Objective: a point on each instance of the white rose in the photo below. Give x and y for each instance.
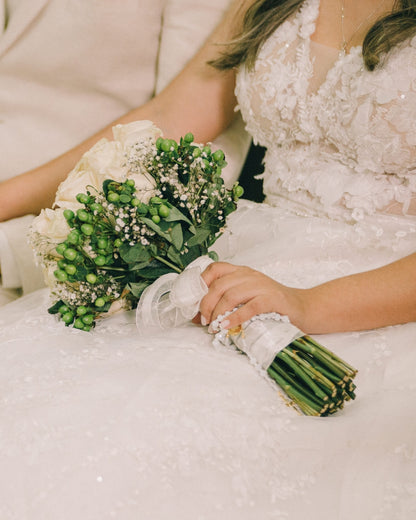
(145, 186)
(105, 160)
(135, 132)
(51, 224)
(48, 275)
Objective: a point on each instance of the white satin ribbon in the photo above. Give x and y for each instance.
(173, 299)
(262, 337)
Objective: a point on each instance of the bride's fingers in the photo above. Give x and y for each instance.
(217, 270)
(226, 290)
(251, 308)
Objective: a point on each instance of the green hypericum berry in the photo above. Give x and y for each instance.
(159, 142)
(87, 229)
(99, 302)
(124, 198)
(88, 319)
(131, 183)
(69, 214)
(67, 318)
(135, 202)
(60, 248)
(61, 264)
(91, 278)
(78, 324)
(155, 200)
(96, 207)
(60, 275)
(71, 269)
(113, 196)
(86, 328)
(207, 149)
(83, 198)
(197, 152)
(82, 215)
(70, 254)
(156, 219)
(189, 138)
(100, 260)
(81, 310)
(102, 243)
(73, 237)
(163, 211)
(218, 156)
(166, 145)
(238, 191)
(63, 309)
(117, 242)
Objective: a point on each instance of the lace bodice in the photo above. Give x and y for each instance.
(340, 139)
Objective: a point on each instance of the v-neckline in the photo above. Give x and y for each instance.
(341, 55)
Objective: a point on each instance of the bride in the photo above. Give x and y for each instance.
(116, 425)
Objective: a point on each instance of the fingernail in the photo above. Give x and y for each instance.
(211, 329)
(203, 321)
(224, 324)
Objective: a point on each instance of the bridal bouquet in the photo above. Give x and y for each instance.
(132, 226)
(132, 210)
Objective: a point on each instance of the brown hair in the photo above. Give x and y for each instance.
(264, 16)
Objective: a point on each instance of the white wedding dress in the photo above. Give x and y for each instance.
(113, 424)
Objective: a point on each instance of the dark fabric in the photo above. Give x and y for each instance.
(253, 188)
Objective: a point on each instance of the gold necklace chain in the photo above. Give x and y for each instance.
(346, 42)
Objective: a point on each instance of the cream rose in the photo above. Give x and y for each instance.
(105, 160)
(51, 224)
(131, 133)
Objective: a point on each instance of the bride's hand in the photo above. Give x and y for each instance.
(232, 286)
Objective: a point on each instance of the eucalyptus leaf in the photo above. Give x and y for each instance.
(134, 254)
(136, 288)
(175, 214)
(200, 236)
(177, 236)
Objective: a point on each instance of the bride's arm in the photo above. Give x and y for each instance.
(199, 100)
(372, 299)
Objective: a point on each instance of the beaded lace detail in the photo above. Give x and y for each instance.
(345, 148)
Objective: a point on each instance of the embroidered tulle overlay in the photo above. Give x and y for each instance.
(340, 139)
(117, 424)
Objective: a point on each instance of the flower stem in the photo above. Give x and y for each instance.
(169, 264)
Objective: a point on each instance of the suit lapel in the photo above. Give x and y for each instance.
(24, 15)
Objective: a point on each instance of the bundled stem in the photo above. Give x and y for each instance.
(316, 380)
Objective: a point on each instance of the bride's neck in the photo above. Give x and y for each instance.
(343, 24)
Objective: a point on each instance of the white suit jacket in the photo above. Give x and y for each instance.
(69, 68)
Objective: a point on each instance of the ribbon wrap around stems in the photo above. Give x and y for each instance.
(173, 299)
(261, 338)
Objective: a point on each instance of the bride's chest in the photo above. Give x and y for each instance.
(305, 92)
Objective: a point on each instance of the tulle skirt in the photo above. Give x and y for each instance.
(114, 424)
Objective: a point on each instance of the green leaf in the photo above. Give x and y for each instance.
(175, 214)
(177, 236)
(213, 255)
(55, 307)
(175, 256)
(134, 254)
(154, 270)
(157, 228)
(106, 184)
(136, 288)
(201, 234)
